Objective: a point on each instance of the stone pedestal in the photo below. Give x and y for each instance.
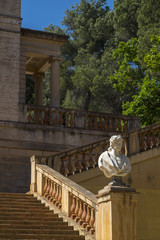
(116, 217)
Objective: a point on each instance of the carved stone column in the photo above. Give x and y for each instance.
(55, 82)
(38, 77)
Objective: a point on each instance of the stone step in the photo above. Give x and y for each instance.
(40, 237)
(38, 231)
(20, 213)
(16, 196)
(33, 203)
(30, 218)
(25, 209)
(32, 222)
(19, 201)
(57, 225)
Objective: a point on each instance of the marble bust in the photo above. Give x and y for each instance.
(113, 163)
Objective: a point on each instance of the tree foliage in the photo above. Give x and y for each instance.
(111, 62)
(144, 89)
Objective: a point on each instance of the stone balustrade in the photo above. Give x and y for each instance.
(97, 216)
(150, 137)
(73, 200)
(85, 157)
(79, 159)
(78, 119)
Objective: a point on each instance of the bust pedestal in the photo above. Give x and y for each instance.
(116, 217)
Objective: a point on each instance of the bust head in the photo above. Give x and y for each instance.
(116, 143)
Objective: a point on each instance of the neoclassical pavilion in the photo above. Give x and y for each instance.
(39, 52)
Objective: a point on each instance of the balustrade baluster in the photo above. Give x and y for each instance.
(85, 160)
(54, 193)
(125, 125)
(86, 121)
(60, 198)
(66, 118)
(88, 218)
(73, 206)
(61, 118)
(90, 121)
(115, 125)
(35, 113)
(50, 117)
(45, 185)
(72, 119)
(78, 164)
(145, 142)
(80, 212)
(40, 116)
(95, 123)
(151, 140)
(110, 124)
(101, 122)
(92, 220)
(64, 169)
(29, 118)
(105, 123)
(84, 214)
(120, 126)
(50, 191)
(77, 210)
(56, 118)
(157, 138)
(46, 116)
(71, 165)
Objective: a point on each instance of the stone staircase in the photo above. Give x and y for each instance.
(24, 217)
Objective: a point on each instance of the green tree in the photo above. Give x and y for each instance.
(125, 19)
(140, 85)
(149, 24)
(90, 25)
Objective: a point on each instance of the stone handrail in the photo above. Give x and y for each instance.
(78, 119)
(82, 158)
(73, 200)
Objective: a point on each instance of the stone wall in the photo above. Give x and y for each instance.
(9, 58)
(19, 141)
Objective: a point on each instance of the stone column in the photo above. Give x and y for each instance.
(55, 82)
(38, 77)
(116, 217)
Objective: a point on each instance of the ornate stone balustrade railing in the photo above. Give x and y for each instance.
(78, 119)
(84, 157)
(150, 137)
(73, 200)
(99, 217)
(78, 159)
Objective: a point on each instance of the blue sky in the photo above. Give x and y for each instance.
(38, 14)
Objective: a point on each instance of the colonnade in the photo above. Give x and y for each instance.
(54, 84)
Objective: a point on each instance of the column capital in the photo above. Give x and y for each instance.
(39, 76)
(55, 59)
